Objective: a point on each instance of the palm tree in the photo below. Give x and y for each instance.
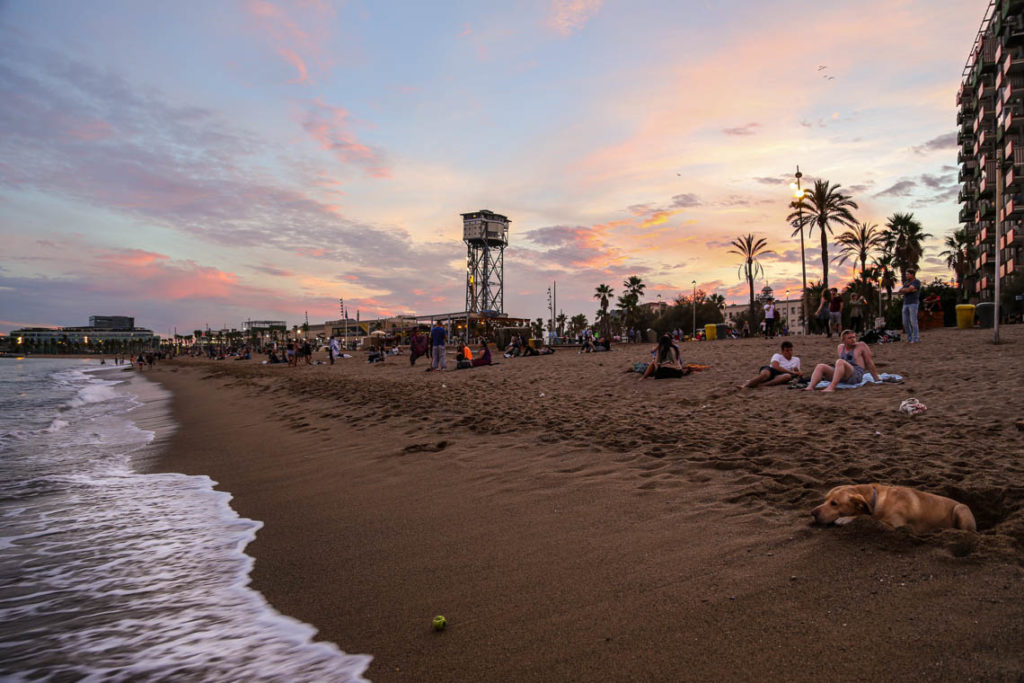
(858, 243)
(903, 237)
(960, 252)
(718, 300)
(634, 285)
(750, 248)
(577, 324)
(560, 324)
(824, 206)
(603, 293)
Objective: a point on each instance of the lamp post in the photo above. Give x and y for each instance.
(693, 305)
(798, 202)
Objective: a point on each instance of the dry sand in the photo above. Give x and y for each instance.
(575, 523)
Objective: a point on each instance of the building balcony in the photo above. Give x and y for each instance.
(1013, 237)
(1008, 178)
(1013, 61)
(1006, 6)
(1007, 268)
(982, 236)
(983, 284)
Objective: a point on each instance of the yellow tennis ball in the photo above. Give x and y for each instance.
(439, 623)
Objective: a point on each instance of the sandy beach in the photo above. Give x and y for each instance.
(575, 523)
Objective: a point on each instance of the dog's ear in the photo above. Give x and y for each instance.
(860, 504)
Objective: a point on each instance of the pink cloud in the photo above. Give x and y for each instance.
(297, 62)
(328, 125)
(292, 42)
(566, 16)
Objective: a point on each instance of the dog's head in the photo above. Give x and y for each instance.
(842, 504)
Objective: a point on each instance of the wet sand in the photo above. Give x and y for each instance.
(575, 523)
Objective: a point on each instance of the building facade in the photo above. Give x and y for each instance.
(787, 312)
(990, 138)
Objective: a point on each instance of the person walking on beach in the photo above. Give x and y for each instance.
(438, 337)
(854, 360)
(911, 291)
(333, 349)
(419, 345)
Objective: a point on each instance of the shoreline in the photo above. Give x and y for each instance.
(564, 537)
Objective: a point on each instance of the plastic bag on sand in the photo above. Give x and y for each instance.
(912, 406)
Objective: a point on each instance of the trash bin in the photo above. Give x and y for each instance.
(965, 316)
(986, 312)
(723, 330)
(710, 332)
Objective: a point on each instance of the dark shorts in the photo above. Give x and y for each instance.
(665, 372)
(773, 372)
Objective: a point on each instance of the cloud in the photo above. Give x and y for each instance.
(901, 189)
(687, 200)
(742, 130)
(567, 16)
(296, 36)
(937, 182)
(774, 180)
(329, 126)
(946, 141)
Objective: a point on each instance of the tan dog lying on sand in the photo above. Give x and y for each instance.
(895, 506)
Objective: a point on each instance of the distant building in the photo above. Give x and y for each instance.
(112, 322)
(81, 339)
(788, 311)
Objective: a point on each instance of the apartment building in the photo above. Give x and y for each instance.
(990, 124)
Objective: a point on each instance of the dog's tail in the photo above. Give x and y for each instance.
(963, 518)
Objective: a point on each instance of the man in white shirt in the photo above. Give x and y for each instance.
(769, 318)
(782, 368)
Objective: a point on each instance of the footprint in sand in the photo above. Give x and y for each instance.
(426, 447)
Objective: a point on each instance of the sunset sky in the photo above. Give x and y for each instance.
(201, 163)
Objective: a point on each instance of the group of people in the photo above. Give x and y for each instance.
(854, 360)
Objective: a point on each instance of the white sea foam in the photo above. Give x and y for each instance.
(121, 576)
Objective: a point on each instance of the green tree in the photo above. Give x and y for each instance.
(718, 300)
(560, 324)
(750, 248)
(903, 240)
(960, 253)
(859, 243)
(821, 208)
(577, 324)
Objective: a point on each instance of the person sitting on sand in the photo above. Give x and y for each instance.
(529, 351)
(667, 361)
(854, 360)
(782, 368)
(483, 357)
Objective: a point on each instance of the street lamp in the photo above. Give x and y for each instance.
(693, 305)
(798, 202)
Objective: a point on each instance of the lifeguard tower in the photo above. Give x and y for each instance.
(486, 236)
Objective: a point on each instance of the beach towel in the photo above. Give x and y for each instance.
(868, 379)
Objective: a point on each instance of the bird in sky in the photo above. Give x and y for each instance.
(822, 66)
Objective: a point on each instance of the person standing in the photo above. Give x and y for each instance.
(857, 312)
(911, 291)
(822, 314)
(333, 349)
(835, 312)
(438, 337)
(769, 318)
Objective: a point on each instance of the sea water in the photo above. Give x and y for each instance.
(108, 574)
